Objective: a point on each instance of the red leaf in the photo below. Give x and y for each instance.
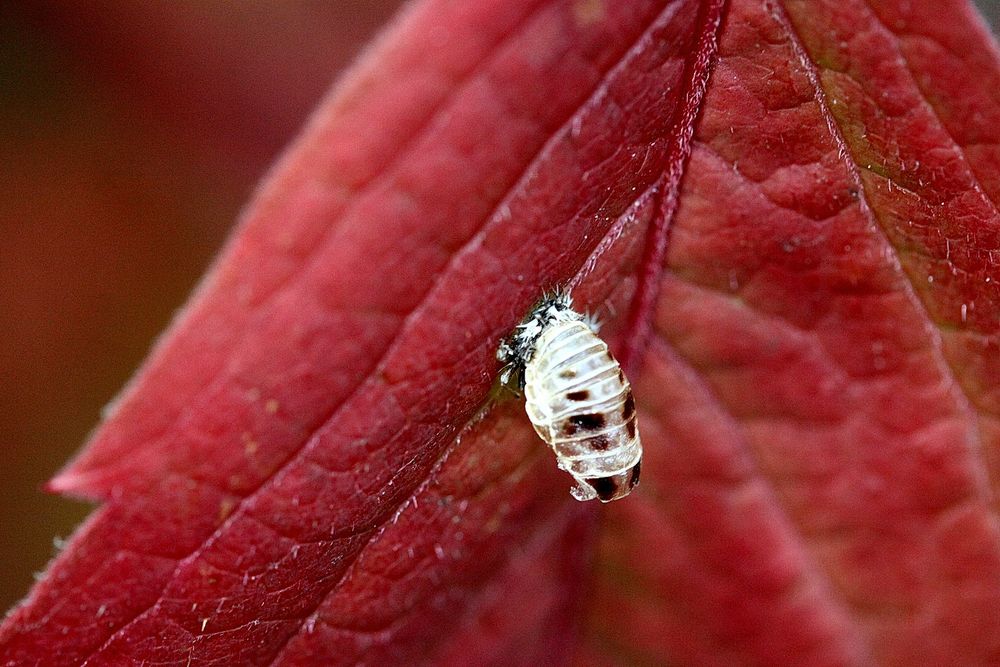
(309, 469)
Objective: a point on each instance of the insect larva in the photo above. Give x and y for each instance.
(577, 398)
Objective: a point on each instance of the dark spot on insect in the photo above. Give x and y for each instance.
(630, 427)
(633, 476)
(621, 376)
(568, 374)
(628, 409)
(853, 193)
(606, 487)
(600, 443)
(588, 422)
(581, 395)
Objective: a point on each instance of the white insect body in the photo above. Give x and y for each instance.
(577, 398)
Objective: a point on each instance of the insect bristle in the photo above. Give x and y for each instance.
(514, 352)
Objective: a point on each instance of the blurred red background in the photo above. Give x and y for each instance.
(133, 132)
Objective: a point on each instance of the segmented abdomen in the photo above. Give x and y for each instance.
(581, 404)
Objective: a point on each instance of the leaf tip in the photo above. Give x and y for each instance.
(70, 483)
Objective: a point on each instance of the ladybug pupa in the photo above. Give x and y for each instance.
(577, 398)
